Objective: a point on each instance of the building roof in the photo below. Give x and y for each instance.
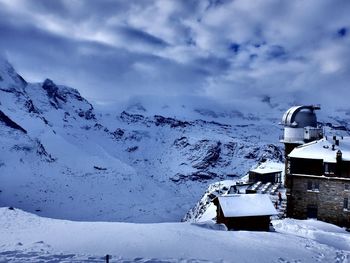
(266, 170)
(242, 205)
(322, 150)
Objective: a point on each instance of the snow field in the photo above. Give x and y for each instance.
(27, 236)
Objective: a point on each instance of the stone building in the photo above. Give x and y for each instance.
(318, 181)
(317, 169)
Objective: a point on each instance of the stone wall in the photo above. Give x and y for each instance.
(329, 198)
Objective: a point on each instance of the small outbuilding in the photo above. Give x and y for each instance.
(265, 175)
(244, 211)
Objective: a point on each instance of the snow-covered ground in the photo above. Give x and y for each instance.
(27, 237)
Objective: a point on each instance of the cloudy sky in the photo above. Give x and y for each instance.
(223, 50)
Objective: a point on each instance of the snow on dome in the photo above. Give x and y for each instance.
(241, 205)
(323, 150)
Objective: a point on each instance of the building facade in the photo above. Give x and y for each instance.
(317, 169)
(273, 176)
(318, 181)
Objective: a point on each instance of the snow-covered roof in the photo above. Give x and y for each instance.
(322, 150)
(266, 170)
(238, 205)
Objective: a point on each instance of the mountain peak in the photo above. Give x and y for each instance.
(48, 82)
(9, 78)
(50, 87)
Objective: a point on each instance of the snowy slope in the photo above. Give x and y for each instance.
(29, 238)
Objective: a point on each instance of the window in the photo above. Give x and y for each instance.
(346, 203)
(309, 185)
(329, 168)
(288, 166)
(346, 187)
(326, 168)
(313, 186)
(316, 186)
(278, 178)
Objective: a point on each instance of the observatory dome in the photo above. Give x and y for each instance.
(300, 126)
(300, 117)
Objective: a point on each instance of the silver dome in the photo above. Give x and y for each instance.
(300, 117)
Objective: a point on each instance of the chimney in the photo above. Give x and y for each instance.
(337, 142)
(338, 166)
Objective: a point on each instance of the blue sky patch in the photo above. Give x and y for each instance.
(342, 32)
(235, 47)
(276, 52)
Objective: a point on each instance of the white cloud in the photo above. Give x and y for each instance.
(222, 49)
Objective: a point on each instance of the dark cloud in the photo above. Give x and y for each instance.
(222, 50)
(132, 34)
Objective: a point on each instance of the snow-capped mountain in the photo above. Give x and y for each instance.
(61, 158)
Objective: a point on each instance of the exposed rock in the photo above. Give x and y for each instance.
(41, 151)
(215, 114)
(10, 123)
(202, 176)
(214, 123)
(252, 154)
(195, 176)
(174, 123)
(30, 107)
(132, 149)
(137, 135)
(181, 142)
(118, 133)
(231, 148)
(131, 118)
(178, 177)
(98, 126)
(88, 115)
(21, 80)
(52, 92)
(272, 152)
(22, 147)
(210, 158)
(100, 168)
